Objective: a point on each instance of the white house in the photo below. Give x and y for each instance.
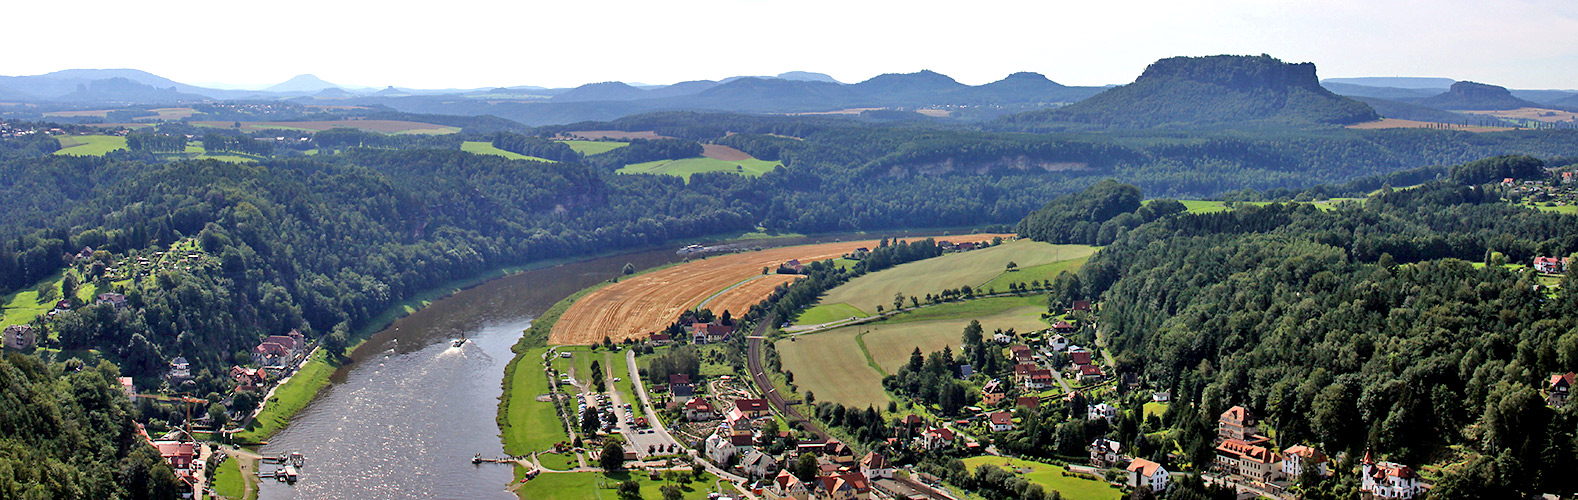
(1001, 421)
(1388, 479)
(757, 464)
(180, 368)
(1146, 472)
(1101, 411)
(1058, 343)
(1105, 452)
(720, 448)
(1002, 338)
(936, 438)
(876, 466)
(1297, 457)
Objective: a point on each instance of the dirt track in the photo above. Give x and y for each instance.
(639, 306)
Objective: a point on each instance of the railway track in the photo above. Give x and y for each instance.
(769, 391)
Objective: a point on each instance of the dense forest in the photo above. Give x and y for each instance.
(66, 432)
(1370, 326)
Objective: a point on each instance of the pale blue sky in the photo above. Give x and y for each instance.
(475, 43)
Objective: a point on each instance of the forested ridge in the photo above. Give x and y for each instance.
(1364, 327)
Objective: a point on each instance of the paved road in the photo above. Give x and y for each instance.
(769, 391)
(658, 429)
(637, 441)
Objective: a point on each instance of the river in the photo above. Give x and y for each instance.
(405, 417)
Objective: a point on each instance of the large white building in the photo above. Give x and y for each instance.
(1148, 473)
(1298, 457)
(1388, 479)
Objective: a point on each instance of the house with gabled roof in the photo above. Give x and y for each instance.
(1388, 479)
(1001, 421)
(993, 393)
(1559, 389)
(699, 409)
(1105, 453)
(1298, 457)
(19, 337)
(1236, 423)
(876, 466)
(1145, 473)
(1256, 463)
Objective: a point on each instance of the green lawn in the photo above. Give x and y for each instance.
(952, 270)
(1043, 272)
(557, 461)
(1051, 478)
(590, 148)
(1204, 206)
(22, 306)
(289, 398)
(827, 313)
(1563, 209)
(486, 148)
(228, 480)
(687, 166)
(1154, 408)
(600, 486)
(89, 145)
(621, 369)
(836, 365)
(531, 425)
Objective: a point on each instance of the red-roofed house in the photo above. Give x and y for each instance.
(993, 393)
(1081, 305)
(785, 486)
(1022, 354)
(1550, 265)
(699, 409)
(1387, 479)
(702, 333)
(1236, 423)
(936, 438)
(876, 466)
(1090, 373)
(754, 408)
(1257, 463)
(1299, 457)
(1064, 327)
(661, 339)
(178, 454)
(1147, 473)
(1561, 386)
(1001, 421)
(1037, 380)
(248, 379)
(1080, 358)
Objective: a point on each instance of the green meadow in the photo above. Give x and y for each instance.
(686, 167)
(89, 145)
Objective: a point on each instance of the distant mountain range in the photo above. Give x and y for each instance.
(1214, 90)
(1181, 91)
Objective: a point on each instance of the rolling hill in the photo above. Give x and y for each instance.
(1214, 90)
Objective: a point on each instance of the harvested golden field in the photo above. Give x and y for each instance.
(1535, 114)
(739, 299)
(636, 307)
(1401, 123)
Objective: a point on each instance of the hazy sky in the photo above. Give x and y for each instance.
(475, 43)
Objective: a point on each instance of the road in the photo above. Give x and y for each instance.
(764, 384)
(658, 428)
(659, 441)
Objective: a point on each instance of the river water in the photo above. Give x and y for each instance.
(404, 419)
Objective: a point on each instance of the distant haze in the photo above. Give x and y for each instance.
(473, 44)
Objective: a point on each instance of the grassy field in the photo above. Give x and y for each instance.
(89, 145)
(891, 342)
(289, 398)
(828, 313)
(229, 482)
(831, 366)
(1561, 209)
(1043, 272)
(533, 425)
(22, 306)
(683, 168)
(846, 365)
(949, 271)
(1209, 206)
(601, 486)
(621, 368)
(590, 148)
(1154, 408)
(558, 461)
(485, 148)
(1051, 478)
